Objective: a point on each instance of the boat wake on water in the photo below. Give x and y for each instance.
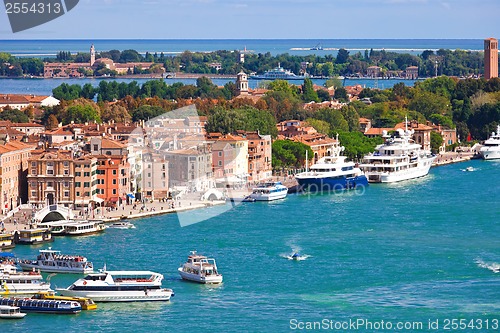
(295, 255)
(494, 267)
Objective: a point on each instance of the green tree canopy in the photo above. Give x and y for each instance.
(290, 154)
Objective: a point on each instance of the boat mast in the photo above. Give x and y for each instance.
(307, 162)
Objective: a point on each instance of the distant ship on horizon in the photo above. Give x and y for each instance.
(279, 73)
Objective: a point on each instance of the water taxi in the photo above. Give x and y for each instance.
(200, 269)
(119, 286)
(55, 262)
(86, 303)
(269, 191)
(6, 242)
(84, 228)
(33, 236)
(11, 312)
(14, 283)
(43, 305)
(121, 225)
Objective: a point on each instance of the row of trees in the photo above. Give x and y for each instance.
(449, 62)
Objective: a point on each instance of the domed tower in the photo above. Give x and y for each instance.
(92, 55)
(242, 83)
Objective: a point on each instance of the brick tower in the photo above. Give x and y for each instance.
(490, 58)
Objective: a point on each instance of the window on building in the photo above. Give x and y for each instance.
(220, 163)
(114, 172)
(86, 174)
(66, 184)
(220, 154)
(86, 184)
(33, 164)
(66, 164)
(66, 172)
(66, 194)
(50, 172)
(50, 184)
(50, 164)
(78, 174)
(33, 171)
(33, 194)
(114, 191)
(96, 147)
(78, 184)
(114, 181)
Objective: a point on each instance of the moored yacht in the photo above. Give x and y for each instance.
(200, 269)
(119, 286)
(399, 158)
(491, 147)
(269, 191)
(332, 173)
(55, 262)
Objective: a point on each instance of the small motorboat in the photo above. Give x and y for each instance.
(11, 312)
(200, 269)
(296, 256)
(121, 225)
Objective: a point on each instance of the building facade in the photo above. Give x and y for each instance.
(14, 158)
(85, 181)
(259, 156)
(51, 178)
(113, 179)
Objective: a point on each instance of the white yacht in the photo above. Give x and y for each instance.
(269, 191)
(121, 225)
(399, 158)
(119, 286)
(331, 173)
(55, 262)
(200, 269)
(13, 283)
(491, 148)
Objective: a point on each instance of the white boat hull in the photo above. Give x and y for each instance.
(113, 296)
(490, 154)
(210, 279)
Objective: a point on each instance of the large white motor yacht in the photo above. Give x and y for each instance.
(491, 148)
(399, 158)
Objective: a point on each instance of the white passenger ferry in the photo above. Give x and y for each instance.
(119, 286)
(200, 269)
(84, 228)
(55, 262)
(13, 283)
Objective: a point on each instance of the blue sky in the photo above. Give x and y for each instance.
(182, 19)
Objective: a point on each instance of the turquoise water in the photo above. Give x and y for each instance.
(412, 251)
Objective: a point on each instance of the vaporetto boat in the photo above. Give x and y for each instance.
(55, 262)
(491, 147)
(119, 286)
(399, 158)
(43, 305)
(332, 173)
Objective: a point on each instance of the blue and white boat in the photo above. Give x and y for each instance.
(43, 305)
(269, 191)
(278, 73)
(332, 173)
